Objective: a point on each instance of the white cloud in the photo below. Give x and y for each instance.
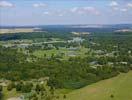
(115, 8)
(36, 5)
(60, 15)
(119, 8)
(123, 9)
(74, 9)
(91, 10)
(55, 13)
(85, 10)
(129, 5)
(5, 4)
(113, 4)
(46, 13)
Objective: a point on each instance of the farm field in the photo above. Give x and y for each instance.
(117, 88)
(4, 31)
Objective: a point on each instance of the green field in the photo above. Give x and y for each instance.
(120, 87)
(66, 52)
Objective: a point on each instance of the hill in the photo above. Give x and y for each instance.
(117, 88)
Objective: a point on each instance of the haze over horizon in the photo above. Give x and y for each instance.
(65, 12)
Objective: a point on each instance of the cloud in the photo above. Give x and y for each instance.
(129, 5)
(123, 9)
(6, 4)
(55, 13)
(115, 8)
(85, 10)
(119, 8)
(46, 13)
(113, 4)
(37, 5)
(60, 13)
(75, 9)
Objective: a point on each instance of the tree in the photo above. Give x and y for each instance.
(10, 86)
(52, 55)
(45, 55)
(52, 90)
(35, 98)
(19, 86)
(38, 88)
(27, 87)
(1, 95)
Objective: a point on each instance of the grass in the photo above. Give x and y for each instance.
(10, 94)
(40, 53)
(117, 88)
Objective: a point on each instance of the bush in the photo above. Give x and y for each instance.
(112, 96)
(64, 96)
(1, 88)
(19, 86)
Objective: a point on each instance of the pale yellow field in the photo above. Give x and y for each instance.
(16, 30)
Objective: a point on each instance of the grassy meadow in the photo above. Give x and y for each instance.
(117, 88)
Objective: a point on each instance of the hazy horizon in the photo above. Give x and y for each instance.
(62, 25)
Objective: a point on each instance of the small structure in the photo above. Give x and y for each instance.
(71, 54)
(24, 45)
(124, 63)
(76, 39)
(73, 48)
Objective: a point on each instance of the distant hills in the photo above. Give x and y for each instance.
(77, 28)
(124, 30)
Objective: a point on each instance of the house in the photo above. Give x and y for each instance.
(100, 52)
(124, 63)
(76, 39)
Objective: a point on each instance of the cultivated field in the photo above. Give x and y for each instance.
(16, 30)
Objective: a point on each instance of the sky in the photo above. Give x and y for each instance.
(64, 12)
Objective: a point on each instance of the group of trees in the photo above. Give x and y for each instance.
(20, 86)
(33, 91)
(34, 35)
